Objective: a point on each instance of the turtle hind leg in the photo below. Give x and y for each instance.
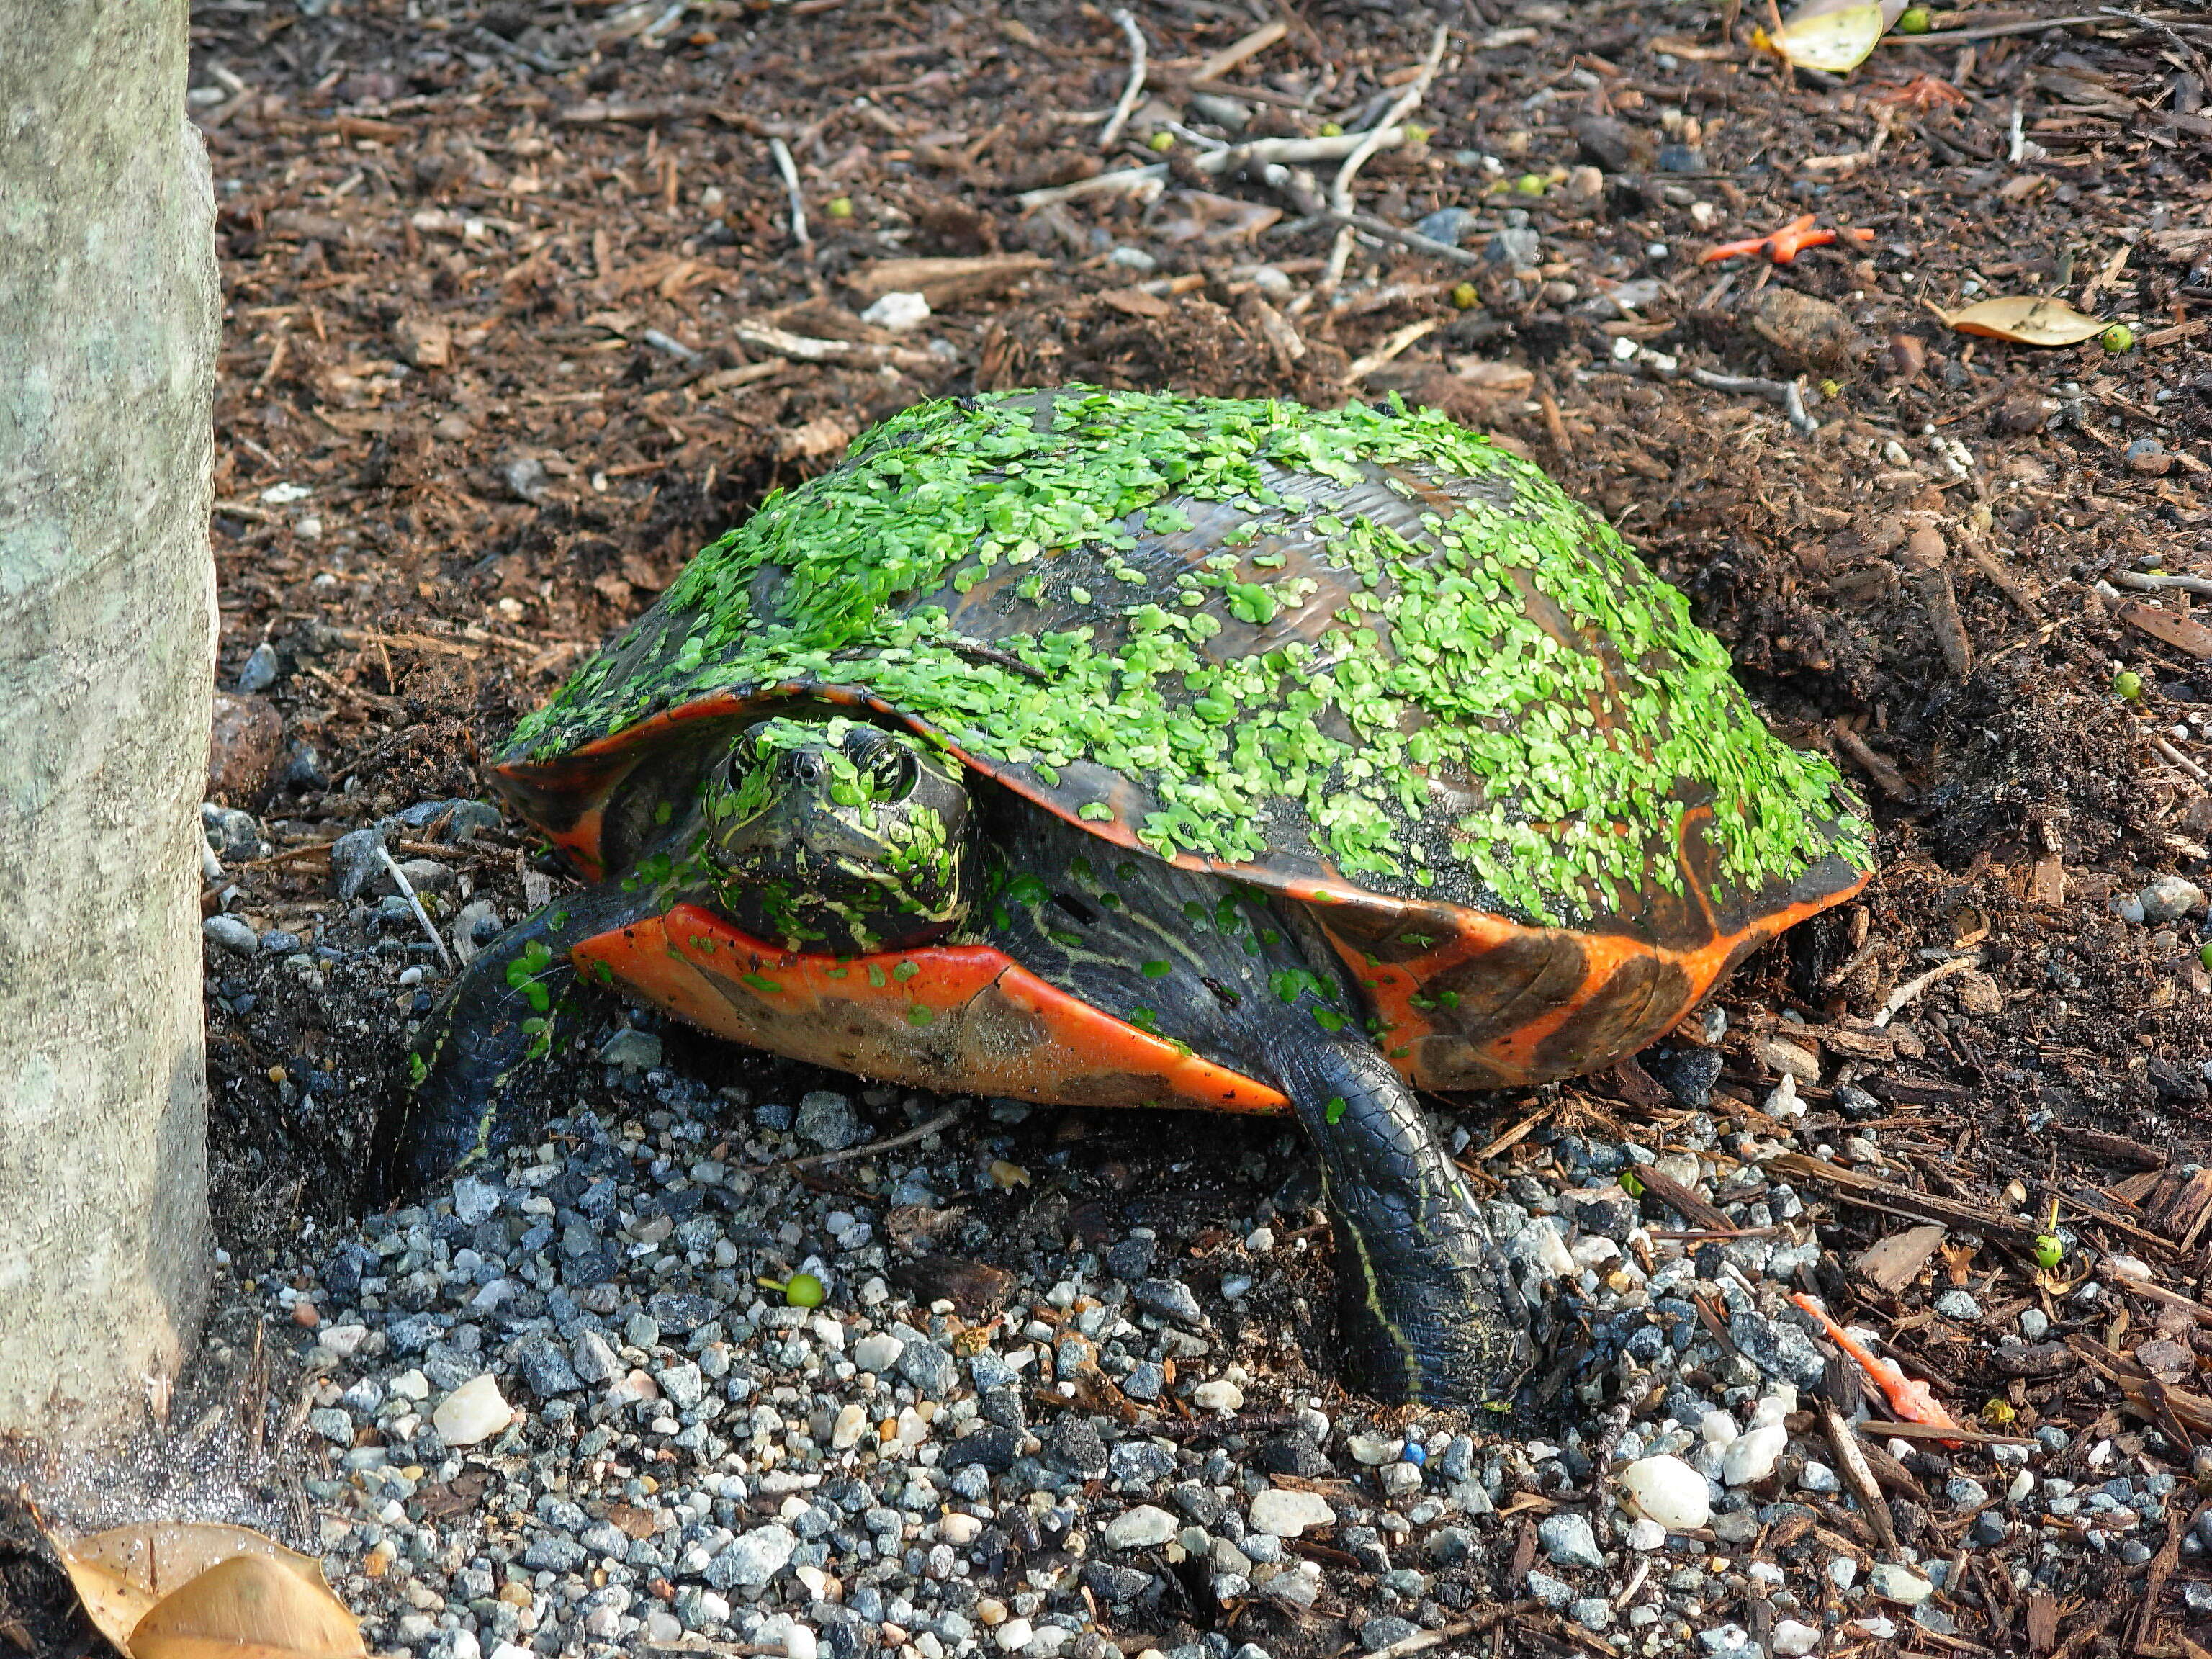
(1426, 1309)
(460, 1096)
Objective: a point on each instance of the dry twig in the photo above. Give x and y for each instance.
(789, 169)
(1788, 393)
(1339, 191)
(407, 891)
(1108, 134)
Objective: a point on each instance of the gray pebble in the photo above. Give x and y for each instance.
(355, 860)
(1169, 1298)
(1385, 1629)
(230, 933)
(1569, 1541)
(827, 1121)
(543, 1369)
(2170, 898)
(261, 670)
(1955, 1303)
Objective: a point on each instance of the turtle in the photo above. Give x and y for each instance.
(1100, 748)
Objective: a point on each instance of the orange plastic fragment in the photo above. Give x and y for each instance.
(1784, 244)
(1911, 1399)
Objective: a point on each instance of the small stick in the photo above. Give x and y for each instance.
(1886, 778)
(850, 1152)
(2009, 584)
(2154, 583)
(789, 169)
(1135, 88)
(407, 893)
(1132, 179)
(1896, 1002)
(1390, 348)
(2181, 760)
(1852, 1458)
(1785, 392)
(1413, 239)
(1339, 191)
(1988, 32)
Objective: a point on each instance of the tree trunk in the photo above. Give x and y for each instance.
(109, 309)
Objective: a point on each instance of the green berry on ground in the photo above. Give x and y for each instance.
(1464, 298)
(840, 207)
(2128, 684)
(804, 1291)
(1161, 142)
(1529, 184)
(1331, 129)
(1917, 20)
(2118, 339)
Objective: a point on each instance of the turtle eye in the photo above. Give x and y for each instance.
(891, 771)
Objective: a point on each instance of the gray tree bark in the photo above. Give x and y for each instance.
(109, 312)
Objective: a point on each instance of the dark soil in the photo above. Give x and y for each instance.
(491, 272)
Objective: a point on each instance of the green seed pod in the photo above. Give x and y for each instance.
(1160, 142)
(2118, 339)
(2049, 1252)
(2128, 684)
(840, 207)
(804, 1291)
(1331, 129)
(1464, 298)
(1917, 20)
(1529, 184)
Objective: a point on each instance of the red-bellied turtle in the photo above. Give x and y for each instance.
(1107, 749)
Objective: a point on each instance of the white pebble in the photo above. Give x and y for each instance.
(897, 310)
(1288, 1514)
(1376, 1449)
(958, 1529)
(1218, 1397)
(1751, 1456)
(1645, 1534)
(473, 1412)
(1141, 1528)
(1012, 1635)
(1670, 1492)
(1792, 1638)
(852, 1423)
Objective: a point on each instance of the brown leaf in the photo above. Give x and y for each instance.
(1893, 1262)
(122, 1575)
(249, 1607)
(2026, 320)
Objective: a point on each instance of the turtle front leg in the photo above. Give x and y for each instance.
(1426, 1311)
(458, 1102)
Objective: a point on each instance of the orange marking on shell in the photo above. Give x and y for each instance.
(993, 1027)
(1512, 1057)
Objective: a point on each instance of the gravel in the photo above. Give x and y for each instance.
(563, 1412)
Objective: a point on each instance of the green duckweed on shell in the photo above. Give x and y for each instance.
(1457, 685)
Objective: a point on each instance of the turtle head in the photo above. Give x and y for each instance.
(832, 834)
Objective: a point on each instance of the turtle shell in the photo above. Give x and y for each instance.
(1363, 657)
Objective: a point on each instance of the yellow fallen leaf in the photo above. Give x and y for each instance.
(1837, 41)
(2024, 319)
(249, 1607)
(1009, 1175)
(122, 1575)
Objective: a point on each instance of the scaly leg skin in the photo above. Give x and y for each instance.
(1426, 1311)
(458, 1104)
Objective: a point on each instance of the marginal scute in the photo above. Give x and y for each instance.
(1245, 636)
